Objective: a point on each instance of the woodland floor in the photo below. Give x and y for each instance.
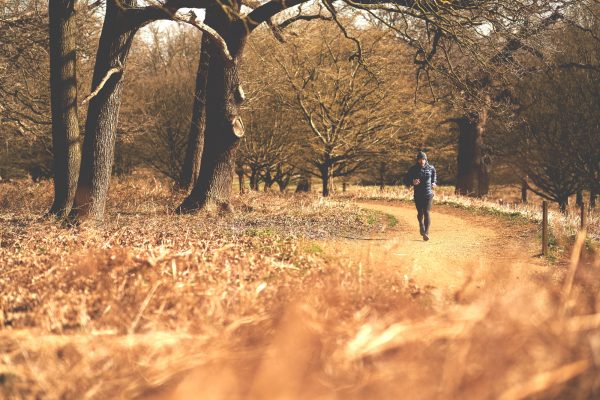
(289, 297)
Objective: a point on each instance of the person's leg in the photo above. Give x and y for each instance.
(420, 216)
(427, 218)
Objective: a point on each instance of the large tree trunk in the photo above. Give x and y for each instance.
(103, 111)
(66, 141)
(224, 126)
(473, 168)
(193, 154)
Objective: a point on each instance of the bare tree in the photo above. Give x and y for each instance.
(550, 146)
(343, 104)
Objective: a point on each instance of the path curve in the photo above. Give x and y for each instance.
(468, 254)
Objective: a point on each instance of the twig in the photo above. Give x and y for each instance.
(143, 307)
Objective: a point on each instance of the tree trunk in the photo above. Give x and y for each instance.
(282, 178)
(563, 204)
(254, 175)
(381, 175)
(473, 168)
(269, 181)
(224, 126)
(304, 185)
(103, 112)
(579, 198)
(193, 154)
(283, 184)
(326, 178)
(66, 141)
(524, 191)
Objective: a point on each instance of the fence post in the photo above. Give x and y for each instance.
(583, 215)
(545, 228)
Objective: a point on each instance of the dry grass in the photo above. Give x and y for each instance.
(244, 306)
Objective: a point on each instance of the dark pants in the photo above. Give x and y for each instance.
(423, 204)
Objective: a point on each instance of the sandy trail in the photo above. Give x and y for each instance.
(467, 255)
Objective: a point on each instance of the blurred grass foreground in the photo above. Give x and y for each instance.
(246, 305)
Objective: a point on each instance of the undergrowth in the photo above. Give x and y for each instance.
(245, 306)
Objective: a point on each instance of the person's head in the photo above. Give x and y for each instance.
(421, 158)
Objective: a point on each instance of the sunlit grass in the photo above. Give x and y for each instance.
(249, 306)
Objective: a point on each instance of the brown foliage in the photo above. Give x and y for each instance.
(154, 305)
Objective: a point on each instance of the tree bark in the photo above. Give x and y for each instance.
(304, 185)
(241, 181)
(524, 191)
(269, 181)
(254, 178)
(563, 203)
(579, 198)
(382, 170)
(193, 154)
(282, 185)
(326, 178)
(103, 111)
(66, 140)
(473, 168)
(224, 126)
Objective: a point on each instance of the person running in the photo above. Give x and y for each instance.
(423, 178)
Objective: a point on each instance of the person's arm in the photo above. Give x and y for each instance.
(433, 177)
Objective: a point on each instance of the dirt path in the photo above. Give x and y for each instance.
(467, 255)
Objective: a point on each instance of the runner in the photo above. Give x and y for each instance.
(422, 177)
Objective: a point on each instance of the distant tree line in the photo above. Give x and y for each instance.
(331, 90)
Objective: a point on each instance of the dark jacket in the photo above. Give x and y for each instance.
(426, 175)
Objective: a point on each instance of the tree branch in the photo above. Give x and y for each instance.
(109, 73)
